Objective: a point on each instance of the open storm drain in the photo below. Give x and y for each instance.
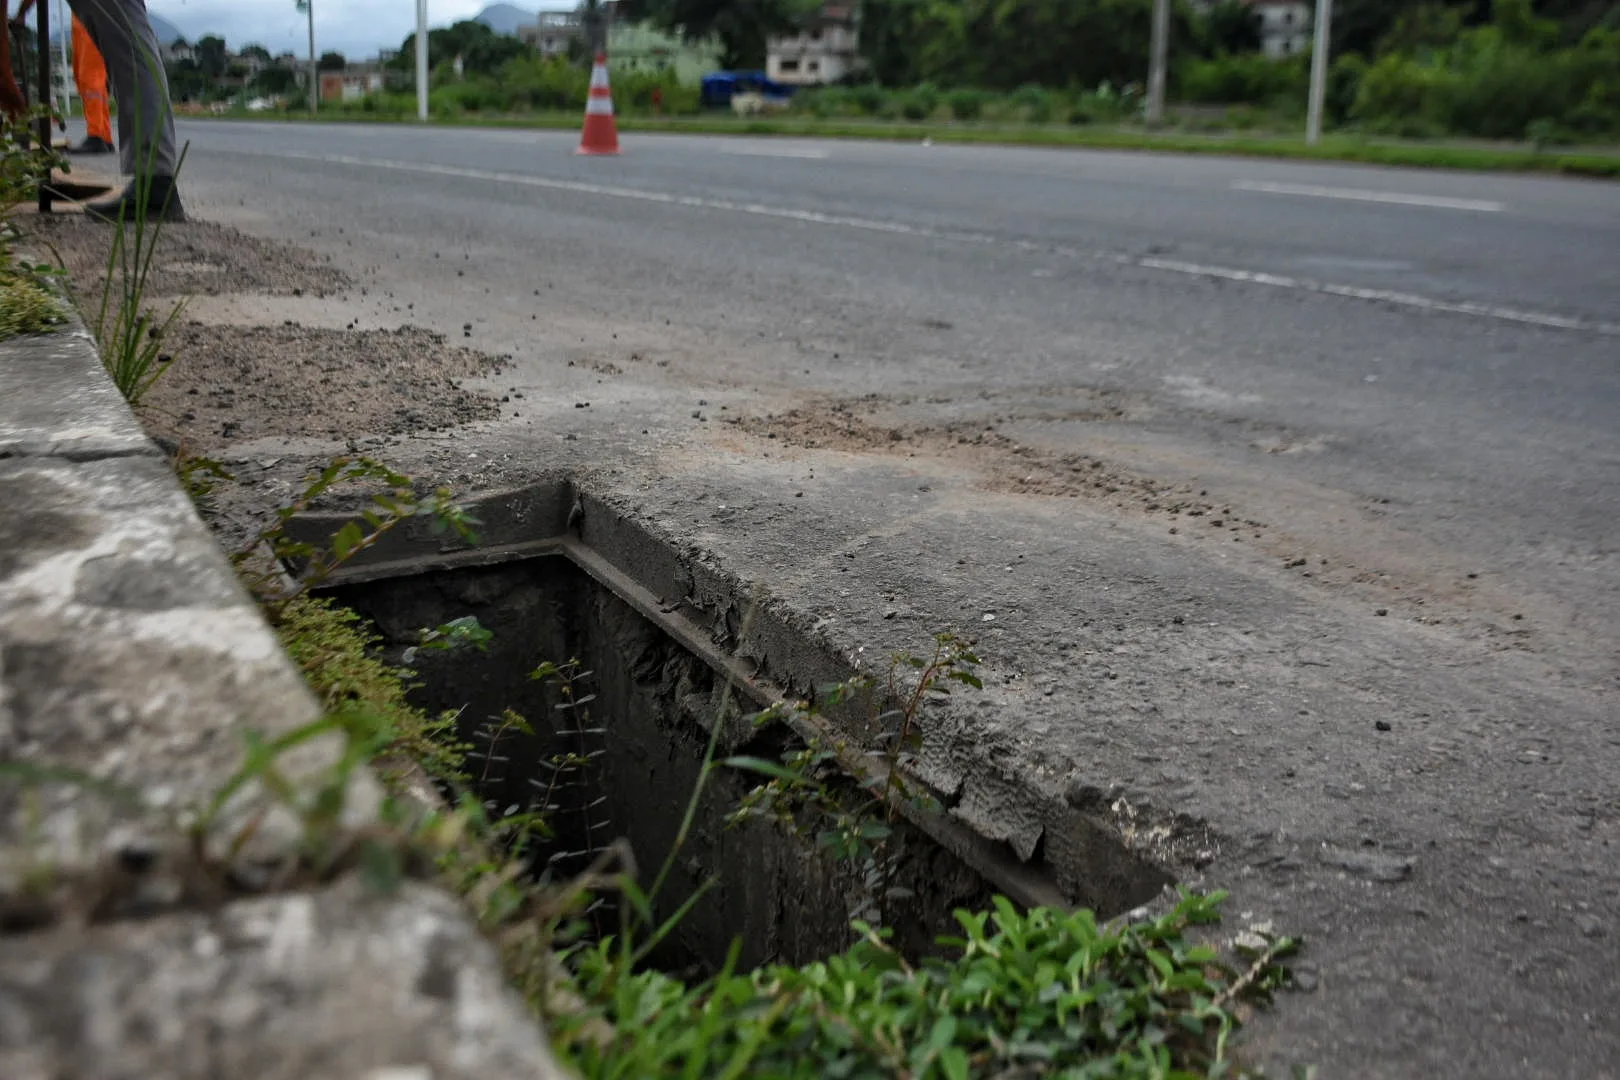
(615, 727)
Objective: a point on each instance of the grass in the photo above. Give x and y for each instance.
(27, 307)
(1336, 147)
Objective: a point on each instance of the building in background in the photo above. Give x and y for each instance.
(552, 32)
(823, 51)
(1285, 26)
(353, 82)
(630, 46)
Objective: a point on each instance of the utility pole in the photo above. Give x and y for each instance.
(1319, 70)
(1156, 64)
(314, 75)
(421, 61)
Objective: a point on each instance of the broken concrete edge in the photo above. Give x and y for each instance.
(1038, 840)
(133, 664)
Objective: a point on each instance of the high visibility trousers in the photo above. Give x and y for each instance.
(90, 73)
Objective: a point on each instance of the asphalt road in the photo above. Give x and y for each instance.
(1405, 385)
(1017, 271)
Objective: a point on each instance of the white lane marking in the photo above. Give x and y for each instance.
(808, 153)
(1384, 296)
(1438, 202)
(897, 228)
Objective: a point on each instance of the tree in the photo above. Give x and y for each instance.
(482, 50)
(1422, 29)
(332, 61)
(275, 81)
(742, 26)
(255, 52)
(211, 56)
(1230, 27)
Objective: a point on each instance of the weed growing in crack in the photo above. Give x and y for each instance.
(132, 337)
(572, 781)
(809, 786)
(386, 510)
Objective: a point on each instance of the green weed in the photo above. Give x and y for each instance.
(131, 337)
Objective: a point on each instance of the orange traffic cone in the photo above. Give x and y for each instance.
(601, 135)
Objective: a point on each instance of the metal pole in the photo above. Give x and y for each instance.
(421, 61)
(1319, 70)
(45, 97)
(314, 75)
(62, 80)
(1156, 64)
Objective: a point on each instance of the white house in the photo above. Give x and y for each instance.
(825, 49)
(1285, 26)
(551, 32)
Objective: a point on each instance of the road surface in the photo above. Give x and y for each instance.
(1283, 496)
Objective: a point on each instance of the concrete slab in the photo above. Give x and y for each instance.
(339, 984)
(130, 656)
(55, 399)
(1172, 703)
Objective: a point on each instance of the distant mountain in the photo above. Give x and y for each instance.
(167, 33)
(504, 18)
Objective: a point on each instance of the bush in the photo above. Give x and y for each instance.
(868, 100)
(1242, 80)
(1344, 82)
(1495, 81)
(966, 104)
(1397, 92)
(921, 103)
(532, 83)
(473, 95)
(1033, 102)
(1500, 97)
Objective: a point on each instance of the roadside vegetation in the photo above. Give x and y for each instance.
(1473, 84)
(29, 303)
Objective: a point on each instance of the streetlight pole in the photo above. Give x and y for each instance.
(1156, 64)
(421, 61)
(1319, 70)
(314, 75)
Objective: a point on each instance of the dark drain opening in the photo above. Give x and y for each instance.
(637, 758)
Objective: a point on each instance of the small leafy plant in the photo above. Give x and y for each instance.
(386, 509)
(810, 783)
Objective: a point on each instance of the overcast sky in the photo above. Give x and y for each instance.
(355, 28)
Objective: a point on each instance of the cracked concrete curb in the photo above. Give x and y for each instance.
(132, 663)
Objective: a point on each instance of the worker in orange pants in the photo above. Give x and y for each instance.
(90, 73)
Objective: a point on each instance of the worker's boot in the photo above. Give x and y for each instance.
(93, 144)
(162, 202)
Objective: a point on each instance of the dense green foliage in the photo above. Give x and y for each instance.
(1038, 993)
(1509, 78)
(994, 44)
(1547, 71)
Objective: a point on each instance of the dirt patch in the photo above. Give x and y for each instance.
(1004, 464)
(233, 383)
(192, 258)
